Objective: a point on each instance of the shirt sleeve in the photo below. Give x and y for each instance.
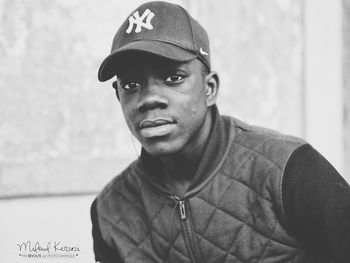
(316, 200)
(103, 252)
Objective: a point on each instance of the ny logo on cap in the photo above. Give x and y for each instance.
(137, 20)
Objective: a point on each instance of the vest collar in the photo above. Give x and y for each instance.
(212, 158)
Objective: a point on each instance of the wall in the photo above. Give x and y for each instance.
(63, 131)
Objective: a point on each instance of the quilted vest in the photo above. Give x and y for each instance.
(234, 215)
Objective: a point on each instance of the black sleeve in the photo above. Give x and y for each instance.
(103, 252)
(317, 205)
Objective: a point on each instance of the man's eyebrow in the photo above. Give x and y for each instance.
(175, 70)
(127, 75)
(174, 67)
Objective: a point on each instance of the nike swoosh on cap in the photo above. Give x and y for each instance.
(203, 52)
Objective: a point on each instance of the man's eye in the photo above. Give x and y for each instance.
(132, 85)
(176, 78)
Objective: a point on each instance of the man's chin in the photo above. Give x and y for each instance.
(162, 149)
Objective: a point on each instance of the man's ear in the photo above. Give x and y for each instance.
(115, 86)
(212, 87)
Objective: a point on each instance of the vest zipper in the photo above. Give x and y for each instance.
(182, 209)
(188, 232)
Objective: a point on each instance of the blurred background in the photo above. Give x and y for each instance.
(283, 64)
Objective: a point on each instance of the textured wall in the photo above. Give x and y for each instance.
(346, 78)
(62, 131)
(257, 50)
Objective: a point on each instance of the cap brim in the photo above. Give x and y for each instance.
(109, 66)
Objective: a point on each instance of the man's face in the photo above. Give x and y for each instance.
(164, 103)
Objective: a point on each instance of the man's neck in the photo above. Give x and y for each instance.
(179, 169)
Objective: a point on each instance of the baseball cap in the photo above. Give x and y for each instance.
(158, 28)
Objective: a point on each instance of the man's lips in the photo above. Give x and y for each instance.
(148, 123)
(156, 127)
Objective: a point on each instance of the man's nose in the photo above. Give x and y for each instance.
(152, 97)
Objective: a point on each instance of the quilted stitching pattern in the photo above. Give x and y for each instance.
(143, 236)
(235, 216)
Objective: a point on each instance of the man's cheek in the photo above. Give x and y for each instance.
(129, 119)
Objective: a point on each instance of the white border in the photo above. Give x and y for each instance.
(323, 78)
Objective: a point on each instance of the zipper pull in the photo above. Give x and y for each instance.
(182, 209)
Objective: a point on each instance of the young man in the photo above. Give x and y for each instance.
(207, 187)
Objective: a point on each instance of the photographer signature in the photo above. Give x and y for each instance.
(48, 247)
